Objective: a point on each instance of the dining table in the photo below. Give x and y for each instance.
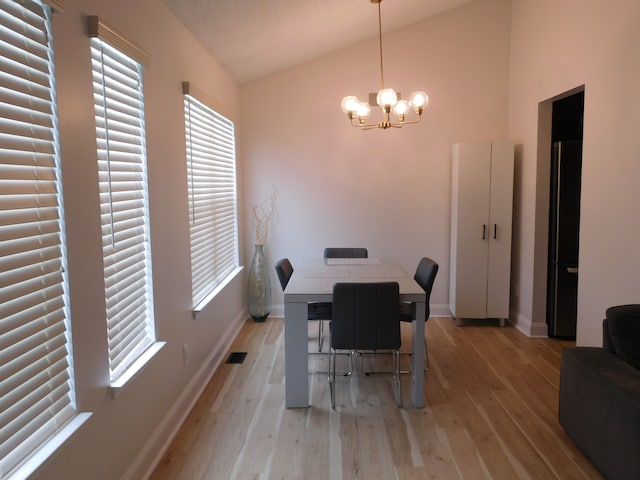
(312, 281)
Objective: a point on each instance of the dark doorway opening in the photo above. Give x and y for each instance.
(564, 215)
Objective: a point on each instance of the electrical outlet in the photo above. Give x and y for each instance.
(185, 353)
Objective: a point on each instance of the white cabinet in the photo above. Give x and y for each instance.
(481, 216)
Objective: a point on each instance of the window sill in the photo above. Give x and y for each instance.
(135, 369)
(221, 286)
(48, 451)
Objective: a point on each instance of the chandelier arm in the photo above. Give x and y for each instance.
(364, 126)
(409, 122)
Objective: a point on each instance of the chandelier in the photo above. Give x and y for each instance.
(387, 99)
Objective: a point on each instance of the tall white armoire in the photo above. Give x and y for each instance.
(481, 217)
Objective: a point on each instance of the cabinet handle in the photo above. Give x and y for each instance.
(495, 231)
(484, 231)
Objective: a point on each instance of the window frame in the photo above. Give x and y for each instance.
(213, 199)
(117, 68)
(36, 357)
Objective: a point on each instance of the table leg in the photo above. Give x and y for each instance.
(417, 369)
(295, 355)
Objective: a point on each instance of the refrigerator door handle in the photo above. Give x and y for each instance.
(572, 269)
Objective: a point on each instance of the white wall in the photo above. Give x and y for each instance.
(555, 47)
(121, 435)
(386, 190)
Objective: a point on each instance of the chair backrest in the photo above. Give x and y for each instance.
(284, 269)
(623, 322)
(425, 276)
(341, 252)
(366, 316)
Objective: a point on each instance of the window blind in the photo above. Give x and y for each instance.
(211, 173)
(117, 88)
(36, 390)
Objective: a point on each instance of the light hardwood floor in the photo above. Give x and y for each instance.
(491, 412)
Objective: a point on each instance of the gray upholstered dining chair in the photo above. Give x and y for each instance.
(342, 252)
(425, 276)
(366, 317)
(319, 311)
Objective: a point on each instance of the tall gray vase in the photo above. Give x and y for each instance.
(259, 288)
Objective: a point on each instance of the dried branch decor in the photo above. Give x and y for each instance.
(262, 215)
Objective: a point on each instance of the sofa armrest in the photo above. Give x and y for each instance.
(600, 409)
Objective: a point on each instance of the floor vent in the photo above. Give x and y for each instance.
(236, 357)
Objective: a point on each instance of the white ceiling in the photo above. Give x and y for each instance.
(252, 38)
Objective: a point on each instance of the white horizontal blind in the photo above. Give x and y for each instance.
(211, 173)
(117, 91)
(36, 390)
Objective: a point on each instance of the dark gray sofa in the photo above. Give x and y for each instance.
(600, 395)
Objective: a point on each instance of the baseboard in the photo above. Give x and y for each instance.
(439, 310)
(539, 330)
(152, 452)
(527, 327)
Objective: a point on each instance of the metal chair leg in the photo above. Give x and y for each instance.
(332, 377)
(426, 356)
(404, 372)
(396, 377)
(320, 334)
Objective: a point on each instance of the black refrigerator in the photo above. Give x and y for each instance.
(564, 235)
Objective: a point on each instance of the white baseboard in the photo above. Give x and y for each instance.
(152, 452)
(527, 327)
(439, 310)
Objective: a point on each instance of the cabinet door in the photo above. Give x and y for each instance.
(472, 162)
(501, 211)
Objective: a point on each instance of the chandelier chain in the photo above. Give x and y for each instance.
(380, 41)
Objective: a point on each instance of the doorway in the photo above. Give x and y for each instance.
(564, 215)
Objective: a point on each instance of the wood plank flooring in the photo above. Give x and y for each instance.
(491, 412)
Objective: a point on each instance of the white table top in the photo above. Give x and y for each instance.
(313, 279)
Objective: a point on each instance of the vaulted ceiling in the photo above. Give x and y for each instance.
(253, 38)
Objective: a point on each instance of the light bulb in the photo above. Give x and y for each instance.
(419, 100)
(387, 97)
(401, 107)
(350, 104)
(363, 109)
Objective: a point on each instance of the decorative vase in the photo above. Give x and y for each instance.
(259, 288)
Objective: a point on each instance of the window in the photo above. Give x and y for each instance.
(36, 389)
(120, 132)
(211, 173)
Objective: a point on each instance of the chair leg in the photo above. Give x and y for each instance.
(346, 374)
(332, 377)
(320, 334)
(426, 356)
(426, 362)
(396, 377)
